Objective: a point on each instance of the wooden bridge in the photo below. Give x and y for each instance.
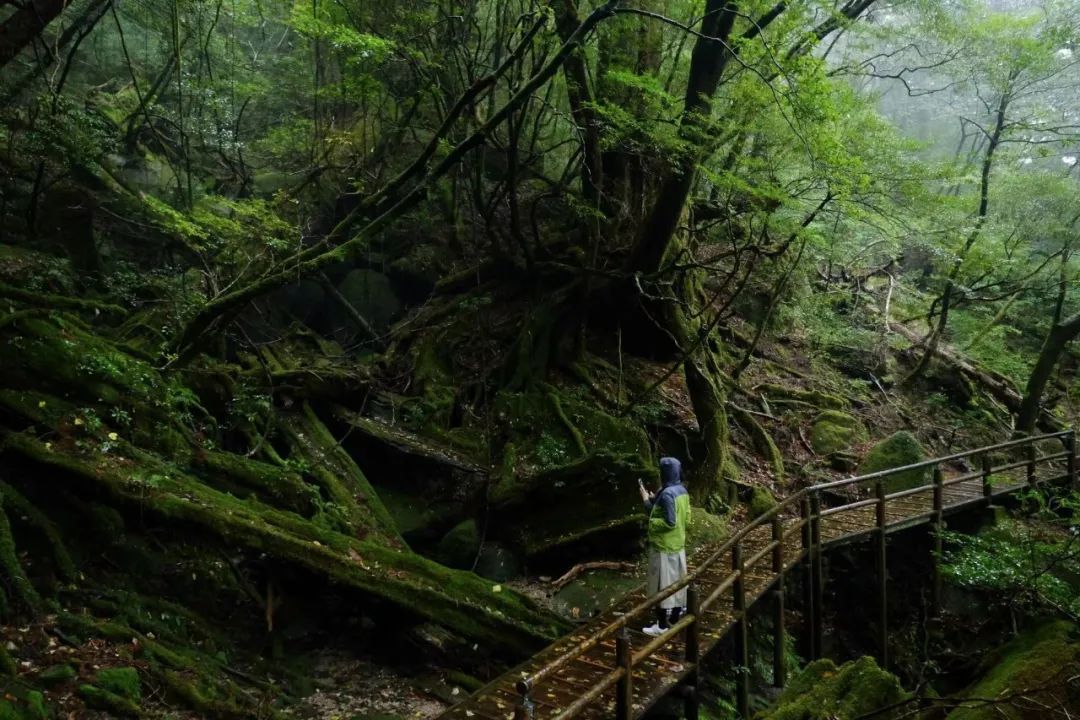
(608, 668)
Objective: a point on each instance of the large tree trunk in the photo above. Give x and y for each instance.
(1059, 337)
(707, 62)
(19, 30)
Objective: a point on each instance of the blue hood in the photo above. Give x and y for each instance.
(670, 471)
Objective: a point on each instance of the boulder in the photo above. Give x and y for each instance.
(834, 432)
(1037, 670)
(458, 548)
(897, 450)
(823, 691)
(498, 562)
(373, 296)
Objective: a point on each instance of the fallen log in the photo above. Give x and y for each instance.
(997, 385)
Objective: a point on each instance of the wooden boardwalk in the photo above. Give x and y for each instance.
(608, 668)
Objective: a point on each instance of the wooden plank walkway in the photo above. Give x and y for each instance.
(608, 668)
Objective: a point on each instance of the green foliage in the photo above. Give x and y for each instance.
(121, 681)
(1031, 564)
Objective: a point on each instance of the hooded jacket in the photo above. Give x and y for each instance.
(669, 511)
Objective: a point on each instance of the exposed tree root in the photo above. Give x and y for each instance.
(763, 442)
(15, 579)
(458, 600)
(14, 500)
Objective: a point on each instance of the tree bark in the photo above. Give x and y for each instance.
(26, 23)
(707, 62)
(1059, 337)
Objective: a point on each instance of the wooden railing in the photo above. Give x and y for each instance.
(790, 535)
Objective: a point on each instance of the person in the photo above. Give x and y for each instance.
(669, 517)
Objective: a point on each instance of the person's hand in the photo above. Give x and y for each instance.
(645, 496)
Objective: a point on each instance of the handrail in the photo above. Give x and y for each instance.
(733, 543)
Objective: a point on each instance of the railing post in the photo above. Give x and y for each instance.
(624, 691)
(808, 579)
(939, 529)
(693, 654)
(742, 633)
(525, 708)
(817, 561)
(987, 470)
(883, 575)
(779, 631)
(1069, 441)
(1032, 458)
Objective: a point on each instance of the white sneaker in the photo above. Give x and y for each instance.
(654, 630)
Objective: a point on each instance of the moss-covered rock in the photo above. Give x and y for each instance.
(898, 450)
(761, 501)
(569, 471)
(372, 295)
(567, 504)
(1028, 676)
(458, 548)
(498, 562)
(834, 431)
(823, 691)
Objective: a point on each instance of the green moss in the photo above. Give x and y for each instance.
(241, 475)
(761, 501)
(12, 568)
(9, 497)
(56, 675)
(9, 711)
(763, 441)
(897, 450)
(1036, 666)
(706, 529)
(551, 428)
(834, 431)
(122, 681)
(457, 600)
(823, 691)
(99, 699)
(35, 706)
(8, 668)
(778, 394)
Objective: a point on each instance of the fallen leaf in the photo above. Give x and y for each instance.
(496, 588)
